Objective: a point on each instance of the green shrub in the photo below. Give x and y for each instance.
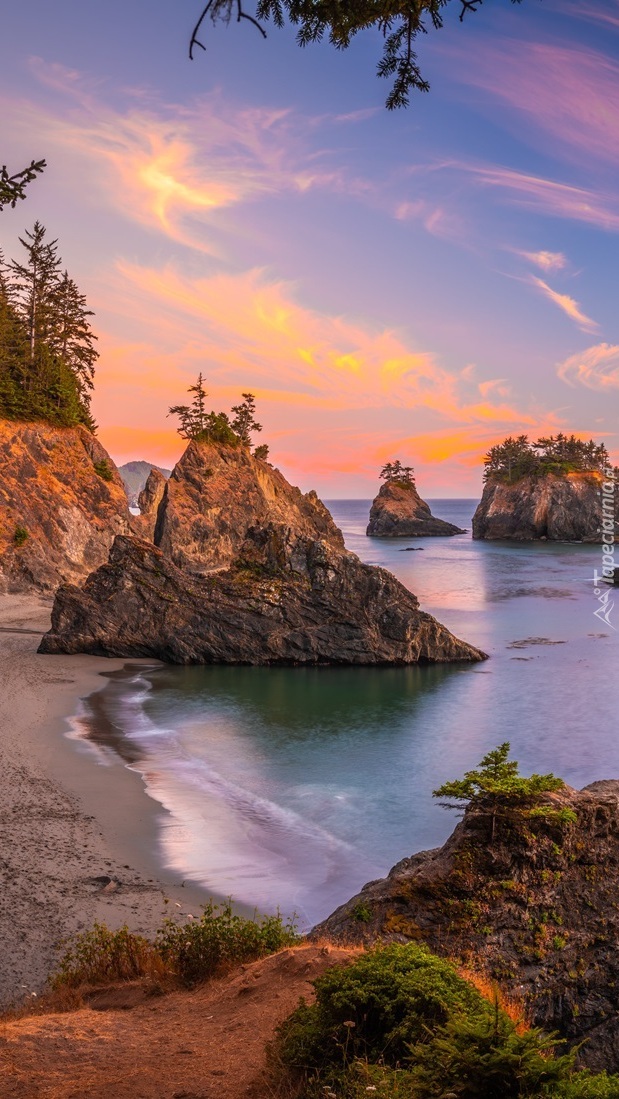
(103, 470)
(218, 941)
(20, 536)
(375, 1009)
(101, 956)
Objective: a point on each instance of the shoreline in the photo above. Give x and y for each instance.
(78, 839)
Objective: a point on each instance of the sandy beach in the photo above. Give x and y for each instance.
(78, 841)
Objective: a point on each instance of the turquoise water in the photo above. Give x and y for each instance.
(292, 787)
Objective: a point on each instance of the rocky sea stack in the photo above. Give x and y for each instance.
(535, 906)
(62, 503)
(245, 570)
(286, 599)
(399, 512)
(560, 508)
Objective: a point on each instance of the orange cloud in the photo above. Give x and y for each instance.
(569, 306)
(596, 368)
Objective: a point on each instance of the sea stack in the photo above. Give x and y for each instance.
(62, 503)
(246, 570)
(399, 512)
(558, 489)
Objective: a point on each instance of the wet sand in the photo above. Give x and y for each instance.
(78, 841)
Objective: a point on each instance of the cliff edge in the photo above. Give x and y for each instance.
(62, 503)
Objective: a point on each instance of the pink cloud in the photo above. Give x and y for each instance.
(596, 368)
(569, 306)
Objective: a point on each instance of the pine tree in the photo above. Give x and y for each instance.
(36, 286)
(73, 338)
(244, 421)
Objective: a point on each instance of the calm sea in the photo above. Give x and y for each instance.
(291, 787)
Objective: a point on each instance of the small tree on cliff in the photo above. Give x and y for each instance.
(197, 423)
(12, 188)
(395, 471)
(244, 421)
(496, 788)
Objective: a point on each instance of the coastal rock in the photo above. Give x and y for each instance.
(149, 500)
(135, 476)
(535, 907)
(286, 599)
(399, 512)
(216, 493)
(564, 508)
(58, 515)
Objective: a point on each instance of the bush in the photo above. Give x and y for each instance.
(103, 470)
(218, 941)
(101, 956)
(20, 536)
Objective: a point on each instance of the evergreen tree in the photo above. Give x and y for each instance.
(395, 471)
(36, 285)
(244, 421)
(12, 188)
(73, 338)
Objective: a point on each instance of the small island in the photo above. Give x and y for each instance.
(399, 512)
(552, 489)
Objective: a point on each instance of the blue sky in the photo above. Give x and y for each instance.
(418, 283)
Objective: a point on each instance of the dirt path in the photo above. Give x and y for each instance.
(205, 1044)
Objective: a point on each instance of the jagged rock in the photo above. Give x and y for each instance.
(286, 599)
(135, 476)
(399, 512)
(58, 516)
(558, 508)
(149, 500)
(534, 907)
(217, 493)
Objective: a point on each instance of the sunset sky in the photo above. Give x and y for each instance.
(414, 284)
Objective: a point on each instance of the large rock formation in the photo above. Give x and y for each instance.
(148, 502)
(217, 493)
(399, 512)
(565, 508)
(62, 503)
(286, 599)
(135, 476)
(535, 906)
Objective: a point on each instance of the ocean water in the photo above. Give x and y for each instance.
(290, 787)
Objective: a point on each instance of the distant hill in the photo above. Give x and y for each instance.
(134, 476)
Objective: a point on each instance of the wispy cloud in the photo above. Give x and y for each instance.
(569, 305)
(549, 196)
(596, 368)
(547, 261)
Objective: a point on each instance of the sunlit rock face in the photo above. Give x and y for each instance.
(399, 512)
(62, 503)
(148, 502)
(564, 508)
(285, 599)
(217, 493)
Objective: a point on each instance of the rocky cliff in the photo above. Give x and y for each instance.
(535, 907)
(217, 493)
(286, 599)
(62, 503)
(148, 502)
(564, 508)
(135, 476)
(399, 512)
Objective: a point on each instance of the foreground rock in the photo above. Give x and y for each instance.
(217, 493)
(62, 503)
(537, 910)
(285, 600)
(399, 512)
(564, 508)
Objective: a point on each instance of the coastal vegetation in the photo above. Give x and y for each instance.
(47, 346)
(13, 187)
(185, 954)
(196, 423)
(515, 458)
(401, 1022)
(395, 471)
